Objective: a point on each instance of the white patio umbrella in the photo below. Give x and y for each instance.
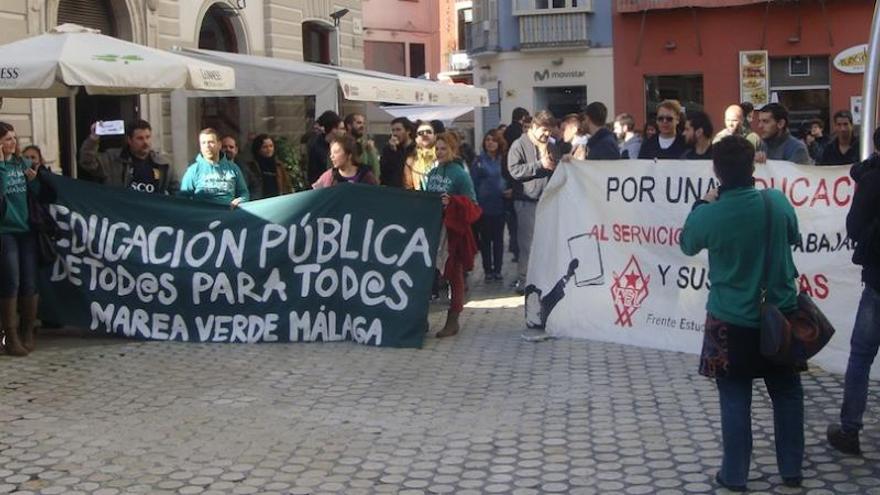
(69, 57)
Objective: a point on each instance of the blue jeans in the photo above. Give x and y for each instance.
(863, 349)
(787, 396)
(18, 265)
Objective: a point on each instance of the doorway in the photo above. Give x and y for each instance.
(561, 100)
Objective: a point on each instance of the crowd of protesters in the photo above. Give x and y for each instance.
(499, 185)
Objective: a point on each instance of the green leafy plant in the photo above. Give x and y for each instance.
(289, 155)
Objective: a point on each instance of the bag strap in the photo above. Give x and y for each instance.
(767, 219)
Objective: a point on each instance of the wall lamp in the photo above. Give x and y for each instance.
(240, 4)
(337, 16)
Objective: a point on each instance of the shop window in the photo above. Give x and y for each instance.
(799, 71)
(417, 67)
(385, 56)
(687, 89)
(316, 42)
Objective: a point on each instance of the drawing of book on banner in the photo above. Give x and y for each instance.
(586, 249)
(585, 267)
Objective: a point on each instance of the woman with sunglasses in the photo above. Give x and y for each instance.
(668, 143)
(18, 249)
(451, 178)
(423, 158)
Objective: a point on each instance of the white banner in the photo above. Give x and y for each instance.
(606, 263)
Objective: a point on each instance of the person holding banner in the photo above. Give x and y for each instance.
(212, 177)
(727, 223)
(18, 250)
(667, 143)
(456, 255)
(346, 165)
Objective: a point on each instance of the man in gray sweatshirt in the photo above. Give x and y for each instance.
(776, 142)
(531, 161)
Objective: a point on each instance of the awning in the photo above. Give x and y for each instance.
(264, 76)
(626, 6)
(420, 112)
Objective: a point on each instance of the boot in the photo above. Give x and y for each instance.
(27, 307)
(9, 322)
(451, 327)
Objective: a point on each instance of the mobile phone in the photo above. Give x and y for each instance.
(110, 128)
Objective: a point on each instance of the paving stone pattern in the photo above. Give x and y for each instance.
(480, 413)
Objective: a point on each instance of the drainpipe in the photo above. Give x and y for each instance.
(869, 90)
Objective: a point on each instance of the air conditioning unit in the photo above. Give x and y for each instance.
(460, 61)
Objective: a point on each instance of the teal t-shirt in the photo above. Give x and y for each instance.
(733, 231)
(450, 178)
(15, 186)
(218, 183)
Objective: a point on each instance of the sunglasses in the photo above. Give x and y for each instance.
(425, 132)
(665, 118)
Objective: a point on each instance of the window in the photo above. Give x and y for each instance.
(687, 89)
(417, 67)
(539, 5)
(465, 21)
(385, 56)
(316, 43)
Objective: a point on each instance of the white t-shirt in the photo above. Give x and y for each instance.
(665, 143)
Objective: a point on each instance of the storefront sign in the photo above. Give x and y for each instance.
(547, 75)
(606, 262)
(852, 60)
(754, 80)
(350, 262)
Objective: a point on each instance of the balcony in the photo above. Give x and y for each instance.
(484, 39)
(553, 30)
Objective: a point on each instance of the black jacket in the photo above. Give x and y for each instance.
(392, 163)
(831, 154)
(651, 149)
(603, 146)
(512, 133)
(319, 157)
(863, 220)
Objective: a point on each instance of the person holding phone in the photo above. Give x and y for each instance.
(18, 250)
(136, 167)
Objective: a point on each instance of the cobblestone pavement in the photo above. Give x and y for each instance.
(483, 412)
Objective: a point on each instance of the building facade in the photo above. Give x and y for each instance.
(292, 29)
(713, 53)
(402, 36)
(541, 54)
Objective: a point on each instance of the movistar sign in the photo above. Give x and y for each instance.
(547, 74)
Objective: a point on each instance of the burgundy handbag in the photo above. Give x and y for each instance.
(796, 337)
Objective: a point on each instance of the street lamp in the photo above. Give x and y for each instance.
(337, 17)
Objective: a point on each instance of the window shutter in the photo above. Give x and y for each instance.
(95, 14)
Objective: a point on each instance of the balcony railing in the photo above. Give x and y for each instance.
(482, 40)
(554, 30)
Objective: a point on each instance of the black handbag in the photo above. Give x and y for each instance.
(794, 338)
(43, 226)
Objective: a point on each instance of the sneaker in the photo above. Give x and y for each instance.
(497, 276)
(846, 442)
(793, 481)
(536, 335)
(733, 488)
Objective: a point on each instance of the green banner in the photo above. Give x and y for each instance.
(351, 262)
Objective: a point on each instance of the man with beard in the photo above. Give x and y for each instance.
(329, 125)
(776, 142)
(399, 147)
(844, 148)
(697, 134)
(625, 130)
(531, 161)
(136, 167)
(356, 126)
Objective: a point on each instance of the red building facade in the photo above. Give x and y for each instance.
(702, 52)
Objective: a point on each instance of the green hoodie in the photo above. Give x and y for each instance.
(218, 183)
(15, 185)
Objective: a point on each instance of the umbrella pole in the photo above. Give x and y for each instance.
(71, 114)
